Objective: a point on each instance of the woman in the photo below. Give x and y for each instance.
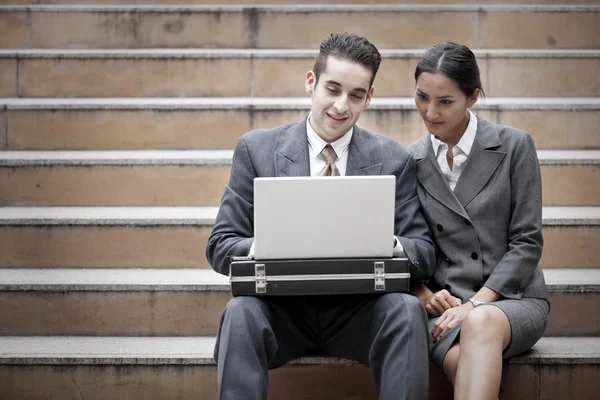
(480, 189)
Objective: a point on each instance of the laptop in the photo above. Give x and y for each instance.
(324, 217)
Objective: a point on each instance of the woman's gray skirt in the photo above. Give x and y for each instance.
(528, 318)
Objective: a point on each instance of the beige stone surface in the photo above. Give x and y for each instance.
(564, 322)
(132, 382)
(571, 247)
(8, 77)
(123, 129)
(571, 185)
(405, 127)
(322, 382)
(13, 29)
(396, 78)
(163, 313)
(89, 247)
(286, 77)
(274, 77)
(559, 130)
(139, 29)
(544, 77)
(566, 382)
(134, 78)
(296, 1)
(172, 185)
(522, 383)
(539, 30)
(219, 129)
(271, 119)
(3, 137)
(384, 29)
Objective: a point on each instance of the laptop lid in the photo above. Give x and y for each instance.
(324, 217)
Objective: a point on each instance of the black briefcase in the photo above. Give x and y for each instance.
(318, 276)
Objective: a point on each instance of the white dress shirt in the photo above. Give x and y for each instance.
(460, 152)
(315, 146)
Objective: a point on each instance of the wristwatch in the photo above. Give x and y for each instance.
(475, 302)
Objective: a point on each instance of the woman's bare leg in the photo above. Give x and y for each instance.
(485, 333)
(451, 362)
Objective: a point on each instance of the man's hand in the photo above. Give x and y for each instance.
(440, 301)
(449, 319)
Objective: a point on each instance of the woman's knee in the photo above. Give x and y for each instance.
(487, 322)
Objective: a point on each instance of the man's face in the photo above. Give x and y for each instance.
(342, 93)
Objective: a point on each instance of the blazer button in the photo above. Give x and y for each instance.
(467, 222)
(439, 227)
(474, 256)
(448, 260)
(515, 291)
(447, 287)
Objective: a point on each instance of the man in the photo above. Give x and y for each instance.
(386, 332)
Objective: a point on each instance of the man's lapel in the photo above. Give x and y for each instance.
(483, 160)
(291, 152)
(431, 178)
(359, 158)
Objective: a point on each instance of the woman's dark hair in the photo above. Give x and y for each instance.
(349, 47)
(455, 61)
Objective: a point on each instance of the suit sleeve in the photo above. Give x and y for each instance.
(410, 225)
(525, 239)
(233, 231)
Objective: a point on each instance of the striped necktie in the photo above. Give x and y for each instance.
(330, 169)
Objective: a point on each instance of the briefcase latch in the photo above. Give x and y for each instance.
(260, 278)
(379, 275)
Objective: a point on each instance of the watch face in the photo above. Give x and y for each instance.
(475, 302)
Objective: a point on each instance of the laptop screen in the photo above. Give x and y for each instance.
(324, 217)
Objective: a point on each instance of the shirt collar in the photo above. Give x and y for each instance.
(318, 144)
(466, 141)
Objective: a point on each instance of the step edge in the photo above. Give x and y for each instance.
(541, 354)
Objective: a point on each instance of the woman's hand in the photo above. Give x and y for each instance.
(439, 302)
(449, 319)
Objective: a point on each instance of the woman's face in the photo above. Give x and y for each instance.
(443, 107)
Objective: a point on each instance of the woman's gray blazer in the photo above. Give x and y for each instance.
(488, 231)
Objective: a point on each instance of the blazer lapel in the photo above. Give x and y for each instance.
(481, 163)
(291, 152)
(431, 178)
(359, 160)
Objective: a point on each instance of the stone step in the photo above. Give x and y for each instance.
(176, 237)
(175, 123)
(258, 2)
(97, 368)
(198, 177)
(189, 302)
(274, 72)
(91, 237)
(275, 26)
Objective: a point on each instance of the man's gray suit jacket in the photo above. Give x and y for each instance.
(283, 151)
(489, 230)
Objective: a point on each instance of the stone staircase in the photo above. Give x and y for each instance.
(117, 124)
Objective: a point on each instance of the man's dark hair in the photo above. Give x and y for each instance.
(455, 61)
(349, 47)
